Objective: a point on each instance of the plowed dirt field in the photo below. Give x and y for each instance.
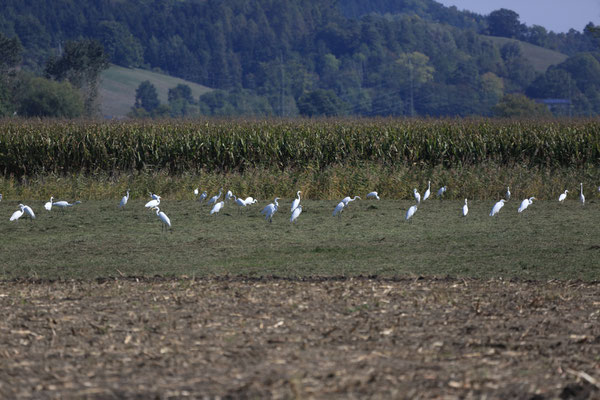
(311, 338)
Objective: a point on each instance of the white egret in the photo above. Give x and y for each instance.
(497, 207)
(296, 213)
(465, 209)
(428, 191)
(214, 199)
(240, 203)
(17, 214)
(228, 195)
(203, 196)
(64, 204)
(411, 211)
(166, 222)
(217, 207)
(441, 191)
(563, 196)
(270, 209)
(196, 192)
(525, 203)
(29, 211)
(372, 195)
(581, 196)
(250, 201)
(153, 203)
(339, 208)
(124, 200)
(417, 196)
(348, 199)
(296, 202)
(507, 193)
(48, 205)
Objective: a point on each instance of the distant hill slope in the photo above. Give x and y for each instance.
(539, 57)
(118, 85)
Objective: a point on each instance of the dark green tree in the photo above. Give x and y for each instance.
(146, 97)
(121, 46)
(10, 57)
(81, 65)
(518, 105)
(321, 103)
(41, 97)
(504, 23)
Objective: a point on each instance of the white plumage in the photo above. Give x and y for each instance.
(563, 196)
(411, 211)
(417, 196)
(217, 207)
(525, 203)
(497, 207)
(428, 191)
(373, 195)
(296, 213)
(296, 201)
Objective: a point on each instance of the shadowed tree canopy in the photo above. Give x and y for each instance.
(146, 97)
(504, 23)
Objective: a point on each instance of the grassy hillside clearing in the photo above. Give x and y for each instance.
(118, 85)
(539, 57)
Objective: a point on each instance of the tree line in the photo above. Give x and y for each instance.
(291, 57)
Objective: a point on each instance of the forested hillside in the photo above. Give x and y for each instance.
(347, 57)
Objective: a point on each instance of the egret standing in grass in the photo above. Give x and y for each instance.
(581, 196)
(241, 203)
(124, 200)
(196, 191)
(525, 203)
(270, 210)
(203, 196)
(214, 199)
(338, 209)
(28, 211)
(296, 213)
(563, 196)
(296, 201)
(166, 222)
(497, 207)
(465, 209)
(17, 214)
(228, 195)
(428, 191)
(217, 207)
(64, 204)
(507, 193)
(417, 196)
(372, 195)
(441, 191)
(411, 211)
(48, 205)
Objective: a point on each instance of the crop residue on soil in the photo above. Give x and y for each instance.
(275, 338)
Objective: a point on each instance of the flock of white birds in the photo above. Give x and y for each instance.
(270, 210)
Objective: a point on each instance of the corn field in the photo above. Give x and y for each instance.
(30, 147)
(326, 159)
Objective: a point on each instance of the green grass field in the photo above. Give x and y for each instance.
(118, 85)
(539, 57)
(96, 239)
